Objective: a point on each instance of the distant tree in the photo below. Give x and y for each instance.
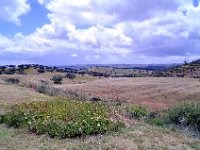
(9, 71)
(21, 67)
(12, 66)
(70, 76)
(41, 67)
(82, 73)
(57, 79)
(185, 62)
(2, 68)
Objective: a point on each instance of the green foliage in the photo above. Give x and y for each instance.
(12, 80)
(57, 79)
(135, 111)
(66, 118)
(1, 118)
(186, 114)
(156, 121)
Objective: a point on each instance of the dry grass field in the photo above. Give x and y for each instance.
(155, 93)
(11, 94)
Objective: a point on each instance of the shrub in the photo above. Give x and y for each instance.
(57, 79)
(42, 89)
(10, 72)
(70, 76)
(186, 114)
(135, 111)
(41, 71)
(12, 80)
(1, 118)
(67, 118)
(95, 99)
(156, 121)
(45, 82)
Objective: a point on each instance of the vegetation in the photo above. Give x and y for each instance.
(156, 121)
(57, 79)
(136, 112)
(186, 115)
(68, 118)
(117, 72)
(191, 69)
(12, 80)
(41, 71)
(70, 76)
(71, 73)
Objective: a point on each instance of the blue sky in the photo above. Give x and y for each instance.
(58, 32)
(35, 18)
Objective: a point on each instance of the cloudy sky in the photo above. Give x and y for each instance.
(58, 32)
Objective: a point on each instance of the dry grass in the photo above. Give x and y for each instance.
(36, 78)
(155, 93)
(11, 94)
(141, 137)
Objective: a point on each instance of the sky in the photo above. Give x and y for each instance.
(62, 32)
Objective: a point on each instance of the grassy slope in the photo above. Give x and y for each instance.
(120, 72)
(11, 94)
(188, 70)
(140, 136)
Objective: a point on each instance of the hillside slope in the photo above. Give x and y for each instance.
(191, 69)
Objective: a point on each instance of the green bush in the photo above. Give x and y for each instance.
(156, 121)
(1, 118)
(12, 80)
(186, 114)
(67, 118)
(135, 111)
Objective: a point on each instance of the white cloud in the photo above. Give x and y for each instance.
(11, 10)
(115, 31)
(74, 55)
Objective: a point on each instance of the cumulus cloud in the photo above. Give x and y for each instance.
(120, 31)
(11, 10)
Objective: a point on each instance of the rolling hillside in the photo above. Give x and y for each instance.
(191, 69)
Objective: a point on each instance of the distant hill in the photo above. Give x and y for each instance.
(191, 69)
(97, 70)
(148, 67)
